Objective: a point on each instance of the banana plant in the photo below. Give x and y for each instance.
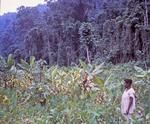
(143, 84)
(27, 66)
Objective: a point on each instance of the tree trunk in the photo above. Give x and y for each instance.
(146, 15)
(68, 51)
(49, 57)
(58, 54)
(88, 56)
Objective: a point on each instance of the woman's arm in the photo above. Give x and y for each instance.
(130, 104)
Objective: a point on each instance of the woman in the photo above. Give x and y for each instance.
(128, 100)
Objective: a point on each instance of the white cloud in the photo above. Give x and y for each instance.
(12, 5)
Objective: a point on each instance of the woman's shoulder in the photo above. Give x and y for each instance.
(131, 90)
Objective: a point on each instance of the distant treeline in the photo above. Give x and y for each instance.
(65, 31)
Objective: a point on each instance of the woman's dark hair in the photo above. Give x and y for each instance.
(129, 81)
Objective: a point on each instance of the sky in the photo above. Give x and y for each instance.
(12, 5)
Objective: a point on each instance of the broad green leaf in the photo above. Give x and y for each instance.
(32, 61)
(140, 76)
(138, 69)
(10, 60)
(148, 116)
(13, 70)
(98, 69)
(24, 65)
(98, 81)
(107, 80)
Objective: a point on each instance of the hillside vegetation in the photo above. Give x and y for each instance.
(65, 31)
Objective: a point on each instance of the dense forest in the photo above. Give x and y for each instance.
(64, 31)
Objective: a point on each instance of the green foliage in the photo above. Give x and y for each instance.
(60, 97)
(86, 32)
(10, 60)
(60, 31)
(144, 85)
